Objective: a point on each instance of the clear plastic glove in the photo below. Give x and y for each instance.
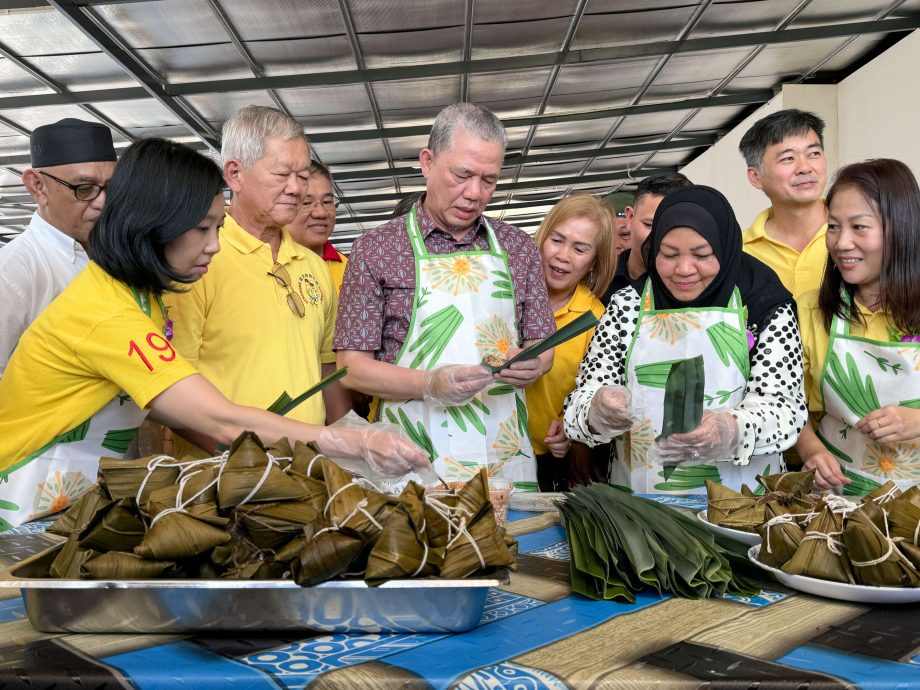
(385, 452)
(610, 410)
(716, 438)
(455, 384)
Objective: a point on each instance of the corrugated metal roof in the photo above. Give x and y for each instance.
(595, 93)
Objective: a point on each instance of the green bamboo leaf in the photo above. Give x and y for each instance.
(655, 375)
(118, 440)
(579, 325)
(282, 407)
(731, 345)
(683, 397)
(859, 485)
(914, 404)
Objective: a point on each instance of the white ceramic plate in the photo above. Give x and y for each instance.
(750, 538)
(863, 594)
(534, 501)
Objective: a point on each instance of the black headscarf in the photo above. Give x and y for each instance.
(708, 212)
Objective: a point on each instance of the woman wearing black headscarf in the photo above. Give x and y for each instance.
(703, 296)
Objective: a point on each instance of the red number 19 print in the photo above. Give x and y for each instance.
(158, 344)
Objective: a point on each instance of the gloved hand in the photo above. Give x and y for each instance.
(455, 384)
(610, 410)
(716, 438)
(386, 452)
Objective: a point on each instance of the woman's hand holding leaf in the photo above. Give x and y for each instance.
(827, 470)
(716, 438)
(610, 410)
(522, 373)
(455, 384)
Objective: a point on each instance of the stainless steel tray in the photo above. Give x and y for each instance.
(174, 606)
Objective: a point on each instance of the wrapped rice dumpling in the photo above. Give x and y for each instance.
(793, 483)
(306, 460)
(281, 450)
(904, 519)
(80, 514)
(271, 524)
(328, 554)
(780, 536)
(249, 476)
(885, 493)
(875, 557)
(733, 509)
(179, 535)
(476, 546)
(117, 565)
(822, 553)
(116, 528)
(70, 559)
(402, 549)
(124, 478)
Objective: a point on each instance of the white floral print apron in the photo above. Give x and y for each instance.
(862, 375)
(661, 338)
(463, 310)
(53, 477)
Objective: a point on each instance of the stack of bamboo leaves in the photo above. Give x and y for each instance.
(872, 543)
(272, 513)
(621, 544)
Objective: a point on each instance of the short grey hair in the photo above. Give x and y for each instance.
(475, 119)
(244, 134)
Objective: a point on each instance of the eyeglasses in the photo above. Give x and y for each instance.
(330, 203)
(87, 191)
(280, 274)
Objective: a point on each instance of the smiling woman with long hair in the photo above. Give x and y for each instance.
(861, 333)
(105, 340)
(575, 241)
(703, 296)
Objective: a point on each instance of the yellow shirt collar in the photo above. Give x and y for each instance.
(246, 243)
(580, 302)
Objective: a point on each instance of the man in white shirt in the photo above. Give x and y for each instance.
(72, 162)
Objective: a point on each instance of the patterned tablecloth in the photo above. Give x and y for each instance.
(534, 634)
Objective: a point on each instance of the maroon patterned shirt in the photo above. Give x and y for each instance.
(379, 285)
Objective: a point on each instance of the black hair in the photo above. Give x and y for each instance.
(661, 185)
(890, 188)
(159, 190)
(405, 204)
(317, 168)
(773, 129)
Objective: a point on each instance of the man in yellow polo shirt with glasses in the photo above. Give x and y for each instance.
(784, 153)
(260, 323)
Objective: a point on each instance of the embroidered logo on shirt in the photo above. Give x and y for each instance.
(309, 289)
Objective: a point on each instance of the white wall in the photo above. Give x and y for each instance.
(879, 107)
(873, 113)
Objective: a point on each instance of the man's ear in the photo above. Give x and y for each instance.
(753, 175)
(425, 159)
(233, 175)
(35, 184)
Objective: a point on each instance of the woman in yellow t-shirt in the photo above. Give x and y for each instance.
(578, 256)
(66, 394)
(861, 334)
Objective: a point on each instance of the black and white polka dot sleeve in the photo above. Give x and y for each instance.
(603, 365)
(773, 410)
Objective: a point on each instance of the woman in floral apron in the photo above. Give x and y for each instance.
(106, 336)
(703, 296)
(861, 333)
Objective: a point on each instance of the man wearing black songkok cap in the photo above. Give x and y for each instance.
(72, 162)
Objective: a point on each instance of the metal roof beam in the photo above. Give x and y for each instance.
(96, 30)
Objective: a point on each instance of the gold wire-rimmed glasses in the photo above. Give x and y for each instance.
(280, 274)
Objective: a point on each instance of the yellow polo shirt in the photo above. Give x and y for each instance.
(547, 394)
(798, 271)
(335, 262)
(87, 346)
(815, 338)
(236, 327)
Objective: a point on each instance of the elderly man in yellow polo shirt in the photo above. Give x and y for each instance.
(314, 224)
(260, 323)
(784, 153)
